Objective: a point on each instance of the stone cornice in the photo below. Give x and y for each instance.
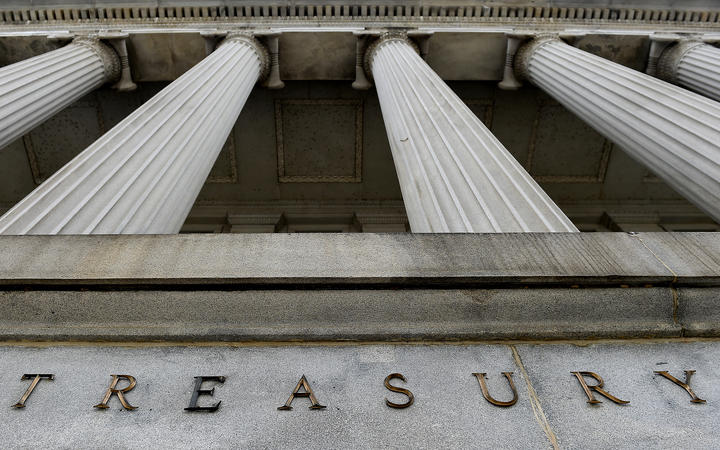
(460, 14)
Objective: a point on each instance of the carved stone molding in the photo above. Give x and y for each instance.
(272, 42)
(262, 52)
(111, 61)
(386, 37)
(377, 11)
(672, 57)
(119, 43)
(658, 43)
(509, 81)
(693, 65)
(361, 81)
(525, 52)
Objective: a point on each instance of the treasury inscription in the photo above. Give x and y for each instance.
(303, 390)
(585, 395)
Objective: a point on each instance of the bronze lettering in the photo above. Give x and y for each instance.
(193, 406)
(36, 379)
(302, 384)
(597, 388)
(410, 396)
(119, 392)
(685, 385)
(483, 387)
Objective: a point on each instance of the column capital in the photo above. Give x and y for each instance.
(251, 41)
(388, 36)
(672, 56)
(526, 51)
(108, 56)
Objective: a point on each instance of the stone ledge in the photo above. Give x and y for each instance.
(312, 315)
(365, 287)
(693, 257)
(152, 11)
(407, 260)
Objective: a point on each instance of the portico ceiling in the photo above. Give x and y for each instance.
(325, 127)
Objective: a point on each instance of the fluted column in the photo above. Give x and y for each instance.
(143, 175)
(455, 176)
(692, 65)
(674, 132)
(31, 91)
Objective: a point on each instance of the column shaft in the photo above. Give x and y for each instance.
(674, 132)
(692, 65)
(33, 90)
(455, 176)
(143, 176)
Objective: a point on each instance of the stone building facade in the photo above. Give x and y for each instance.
(360, 224)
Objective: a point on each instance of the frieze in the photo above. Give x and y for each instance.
(372, 11)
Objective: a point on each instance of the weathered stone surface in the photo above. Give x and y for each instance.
(597, 258)
(369, 314)
(693, 257)
(698, 311)
(660, 414)
(449, 410)
(362, 286)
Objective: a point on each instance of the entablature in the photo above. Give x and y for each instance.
(543, 13)
(164, 40)
(470, 54)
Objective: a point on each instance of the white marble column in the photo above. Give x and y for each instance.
(692, 65)
(33, 90)
(674, 132)
(455, 176)
(143, 176)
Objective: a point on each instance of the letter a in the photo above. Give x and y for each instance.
(302, 384)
